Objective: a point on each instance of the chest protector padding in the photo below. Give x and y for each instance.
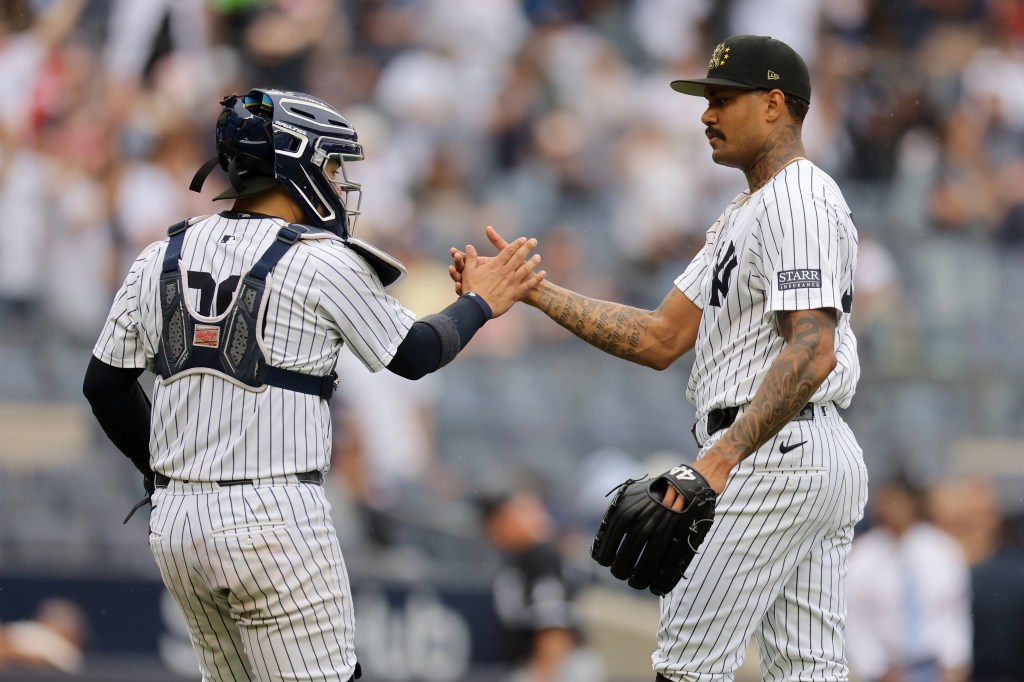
(227, 345)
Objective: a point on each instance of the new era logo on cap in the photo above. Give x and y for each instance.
(753, 63)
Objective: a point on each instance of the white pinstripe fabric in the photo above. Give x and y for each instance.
(259, 576)
(774, 564)
(799, 220)
(256, 569)
(321, 295)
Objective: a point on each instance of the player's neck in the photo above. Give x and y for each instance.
(782, 148)
(274, 202)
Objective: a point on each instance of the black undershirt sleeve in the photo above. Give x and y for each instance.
(122, 409)
(430, 345)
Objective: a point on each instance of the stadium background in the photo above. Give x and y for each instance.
(548, 118)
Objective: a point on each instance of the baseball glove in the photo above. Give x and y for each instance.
(648, 544)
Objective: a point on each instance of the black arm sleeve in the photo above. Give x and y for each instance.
(122, 409)
(435, 340)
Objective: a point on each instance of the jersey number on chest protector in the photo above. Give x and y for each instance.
(229, 344)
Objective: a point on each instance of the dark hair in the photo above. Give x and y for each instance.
(797, 107)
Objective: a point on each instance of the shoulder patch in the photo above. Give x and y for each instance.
(803, 278)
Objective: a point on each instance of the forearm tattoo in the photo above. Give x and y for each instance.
(791, 380)
(614, 328)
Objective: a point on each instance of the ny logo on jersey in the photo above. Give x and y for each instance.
(208, 288)
(723, 270)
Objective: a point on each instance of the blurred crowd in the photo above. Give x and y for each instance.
(547, 118)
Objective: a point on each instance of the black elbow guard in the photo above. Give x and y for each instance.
(431, 343)
(435, 340)
(447, 334)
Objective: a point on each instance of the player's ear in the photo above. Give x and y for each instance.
(775, 105)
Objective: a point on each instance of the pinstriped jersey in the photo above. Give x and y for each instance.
(790, 245)
(321, 296)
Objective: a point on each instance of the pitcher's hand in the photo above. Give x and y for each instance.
(500, 280)
(459, 258)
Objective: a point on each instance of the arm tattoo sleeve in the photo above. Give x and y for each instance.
(614, 328)
(791, 380)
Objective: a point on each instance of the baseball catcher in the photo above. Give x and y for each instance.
(647, 543)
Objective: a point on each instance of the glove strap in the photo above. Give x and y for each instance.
(687, 480)
(148, 499)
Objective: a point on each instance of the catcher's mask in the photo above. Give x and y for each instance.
(268, 137)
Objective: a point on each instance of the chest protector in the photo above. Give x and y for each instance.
(228, 345)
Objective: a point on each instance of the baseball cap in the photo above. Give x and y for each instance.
(753, 63)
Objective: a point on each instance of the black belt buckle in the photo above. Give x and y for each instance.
(313, 477)
(722, 418)
(717, 419)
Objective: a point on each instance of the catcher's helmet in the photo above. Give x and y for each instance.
(266, 137)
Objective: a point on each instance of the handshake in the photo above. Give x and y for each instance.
(500, 280)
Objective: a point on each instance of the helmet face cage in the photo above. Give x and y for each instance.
(349, 192)
(307, 133)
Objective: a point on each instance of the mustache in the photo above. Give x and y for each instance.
(713, 132)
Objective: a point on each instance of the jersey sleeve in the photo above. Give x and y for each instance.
(120, 343)
(800, 251)
(691, 282)
(695, 276)
(371, 322)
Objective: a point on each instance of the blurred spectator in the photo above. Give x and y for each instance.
(140, 31)
(25, 195)
(964, 198)
(30, 78)
(385, 445)
(669, 30)
(53, 639)
(280, 42)
(909, 595)
(998, 609)
(142, 34)
(533, 595)
(887, 337)
(970, 511)
(152, 190)
(794, 22)
(27, 37)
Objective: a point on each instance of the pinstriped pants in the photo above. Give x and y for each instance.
(258, 574)
(774, 564)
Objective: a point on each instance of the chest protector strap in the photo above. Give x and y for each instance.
(227, 345)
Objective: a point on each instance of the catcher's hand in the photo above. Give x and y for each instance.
(647, 543)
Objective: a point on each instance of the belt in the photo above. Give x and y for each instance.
(314, 477)
(723, 417)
